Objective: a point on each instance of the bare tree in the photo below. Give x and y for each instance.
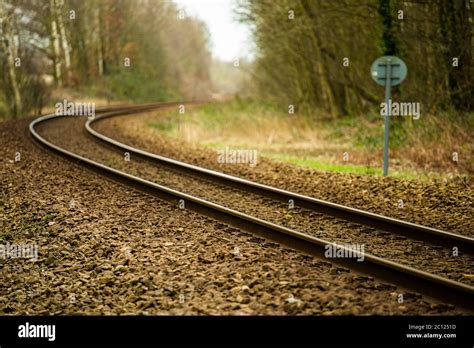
(8, 48)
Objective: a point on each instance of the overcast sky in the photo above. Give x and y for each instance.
(229, 39)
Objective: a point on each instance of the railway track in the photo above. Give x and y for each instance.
(407, 277)
(384, 223)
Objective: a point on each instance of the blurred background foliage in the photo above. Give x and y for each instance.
(301, 46)
(81, 45)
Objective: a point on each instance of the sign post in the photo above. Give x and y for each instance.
(388, 71)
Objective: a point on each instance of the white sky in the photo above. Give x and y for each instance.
(229, 39)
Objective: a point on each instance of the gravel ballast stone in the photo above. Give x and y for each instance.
(107, 249)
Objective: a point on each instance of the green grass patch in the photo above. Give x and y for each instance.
(304, 139)
(313, 163)
(164, 127)
(318, 165)
(346, 168)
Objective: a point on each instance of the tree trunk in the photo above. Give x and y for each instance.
(326, 90)
(389, 41)
(55, 43)
(456, 31)
(7, 43)
(98, 41)
(64, 40)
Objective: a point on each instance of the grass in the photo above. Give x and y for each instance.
(316, 164)
(348, 168)
(367, 132)
(331, 167)
(319, 143)
(165, 127)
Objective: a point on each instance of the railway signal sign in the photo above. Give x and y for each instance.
(388, 71)
(380, 69)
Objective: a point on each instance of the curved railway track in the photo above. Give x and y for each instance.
(434, 286)
(384, 223)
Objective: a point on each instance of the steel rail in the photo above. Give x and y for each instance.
(430, 285)
(435, 236)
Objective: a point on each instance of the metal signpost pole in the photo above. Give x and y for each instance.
(388, 71)
(388, 92)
